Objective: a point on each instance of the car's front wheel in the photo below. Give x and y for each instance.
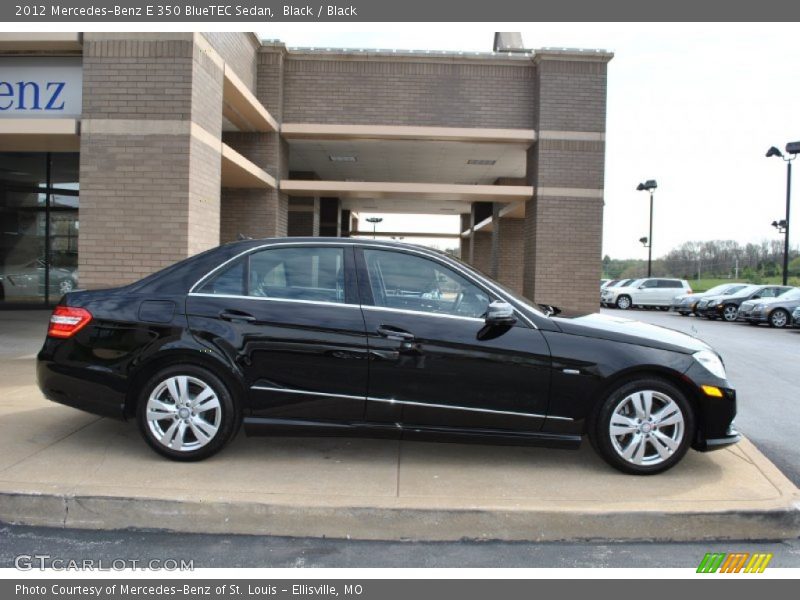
(779, 318)
(730, 312)
(623, 302)
(186, 413)
(644, 426)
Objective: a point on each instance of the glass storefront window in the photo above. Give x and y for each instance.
(38, 227)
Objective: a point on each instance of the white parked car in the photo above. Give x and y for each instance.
(651, 292)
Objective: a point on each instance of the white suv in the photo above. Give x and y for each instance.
(657, 291)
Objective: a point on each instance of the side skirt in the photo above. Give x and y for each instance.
(255, 426)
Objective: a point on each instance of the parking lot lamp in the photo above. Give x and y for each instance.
(650, 186)
(782, 226)
(374, 221)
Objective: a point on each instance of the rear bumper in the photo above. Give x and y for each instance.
(83, 388)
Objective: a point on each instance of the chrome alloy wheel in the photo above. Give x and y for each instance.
(646, 428)
(730, 312)
(183, 413)
(623, 302)
(779, 318)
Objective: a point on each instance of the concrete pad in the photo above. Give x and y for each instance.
(61, 467)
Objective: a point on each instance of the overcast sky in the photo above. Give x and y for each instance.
(693, 106)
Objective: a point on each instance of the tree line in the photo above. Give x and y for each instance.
(717, 259)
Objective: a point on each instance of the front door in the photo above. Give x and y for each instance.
(433, 360)
(288, 315)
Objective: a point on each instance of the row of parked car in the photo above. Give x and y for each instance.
(776, 305)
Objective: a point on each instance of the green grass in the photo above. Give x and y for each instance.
(702, 285)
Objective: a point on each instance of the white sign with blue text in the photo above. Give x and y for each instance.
(40, 87)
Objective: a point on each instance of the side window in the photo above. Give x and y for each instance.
(408, 282)
(230, 281)
(769, 292)
(650, 283)
(314, 273)
(297, 273)
(669, 283)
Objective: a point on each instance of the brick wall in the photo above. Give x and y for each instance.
(407, 92)
(508, 256)
(566, 234)
(239, 51)
(482, 251)
(137, 78)
(134, 208)
(254, 213)
(563, 233)
(149, 188)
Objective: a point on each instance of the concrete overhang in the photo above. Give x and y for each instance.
(242, 108)
(238, 172)
(514, 210)
(400, 191)
(53, 41)
(321, 131)
(39, 135)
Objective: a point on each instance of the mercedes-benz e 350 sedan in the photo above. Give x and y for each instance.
(334, 336)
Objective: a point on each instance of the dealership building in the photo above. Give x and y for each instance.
(121, 153)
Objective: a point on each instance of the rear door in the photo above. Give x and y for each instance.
(434, 362)
(667, 290)
(288, 316)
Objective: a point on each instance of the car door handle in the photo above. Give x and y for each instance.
(235, 315)
(397, 335)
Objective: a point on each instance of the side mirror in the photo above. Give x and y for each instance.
(756, 298)
(500, 313)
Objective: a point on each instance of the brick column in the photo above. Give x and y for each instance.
(260, 213)
(303, 217)
(507, 250)
(564, 221)
(464, 242)
(150, 162)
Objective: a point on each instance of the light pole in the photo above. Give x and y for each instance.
(374, 221)
(783, 225)
(650, 185)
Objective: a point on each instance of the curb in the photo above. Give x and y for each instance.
(394, 523)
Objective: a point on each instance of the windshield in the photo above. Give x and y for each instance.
(514, 295)
(725, 288)
(734, 289)
(747, 290)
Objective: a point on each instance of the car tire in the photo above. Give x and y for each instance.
(623, 302)
(187, 431)
(778, 318)
(730, 312)
(639, 442)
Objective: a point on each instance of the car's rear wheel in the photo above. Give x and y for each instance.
(186, 413)
(644, 426)
(779, 318)
(623, 302)
(730, 312)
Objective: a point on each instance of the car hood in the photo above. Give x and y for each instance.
(629, 331)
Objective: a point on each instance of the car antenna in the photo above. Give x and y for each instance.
(242, 237)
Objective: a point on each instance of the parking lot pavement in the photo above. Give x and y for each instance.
(764, 366)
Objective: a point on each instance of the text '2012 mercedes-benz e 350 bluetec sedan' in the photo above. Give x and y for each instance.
(311, 336)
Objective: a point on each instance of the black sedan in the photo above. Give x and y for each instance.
(727, 307)
(319, 336)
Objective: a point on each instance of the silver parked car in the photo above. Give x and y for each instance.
(27, 281)
(653, 292)
(684, 304)
(777, 312)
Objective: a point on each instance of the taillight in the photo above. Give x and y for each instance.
(66, 321)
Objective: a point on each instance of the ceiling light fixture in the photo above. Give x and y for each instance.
(480, 161)
(335, 158)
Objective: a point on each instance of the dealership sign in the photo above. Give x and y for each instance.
(34, 87)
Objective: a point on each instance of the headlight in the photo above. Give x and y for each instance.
(712, 303)
(760, 306)
(711, 362)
